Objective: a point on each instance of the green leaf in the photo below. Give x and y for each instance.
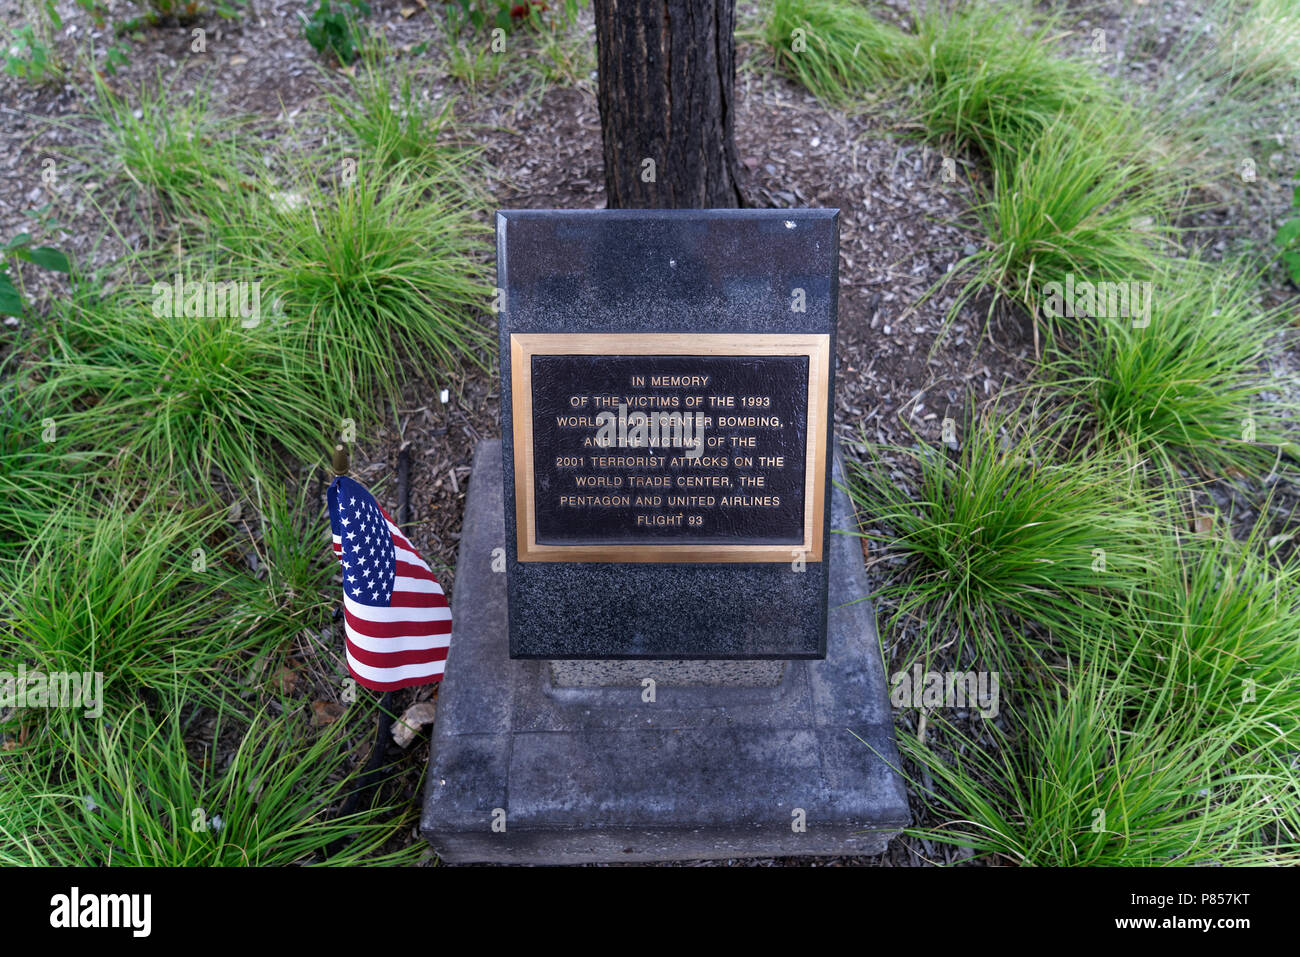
(1292, 262)
(47, 257)
(22, 239)
(1289, 232)
(11, 301)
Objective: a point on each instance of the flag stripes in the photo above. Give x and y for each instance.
(397, 621)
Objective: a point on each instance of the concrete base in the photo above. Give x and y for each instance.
(524, 770)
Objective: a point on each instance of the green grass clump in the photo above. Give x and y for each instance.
(1015, 529)
(365, 270)
(838, 50)
(184, 395)
(477, 67)
(1063, 203)
(38, 476)
(391, 124)
(1167, 738)
(148, 598)
(995, 77)
(292, 586)
(147, 529)
(545, 49)
(1154, 700)
(1106, 769)
(378, 271)
(1263, 42)
(173, 149)
(559, 51)
(1219, 624)
(1189, 389)
(133, 793)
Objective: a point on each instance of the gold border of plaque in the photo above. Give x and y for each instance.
(523, 346)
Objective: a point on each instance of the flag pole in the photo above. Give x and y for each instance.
(339, 463)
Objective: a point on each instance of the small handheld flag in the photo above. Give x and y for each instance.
(396, 618)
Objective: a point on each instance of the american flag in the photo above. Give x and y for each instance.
(396, 617)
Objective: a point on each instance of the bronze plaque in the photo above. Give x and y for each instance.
(647, 447)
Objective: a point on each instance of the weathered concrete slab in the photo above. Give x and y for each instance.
(597, 773)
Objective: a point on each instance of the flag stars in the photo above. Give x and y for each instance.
(367, 550)
(370, 547)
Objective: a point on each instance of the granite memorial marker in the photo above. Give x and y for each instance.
(666, 383)
(660, 649)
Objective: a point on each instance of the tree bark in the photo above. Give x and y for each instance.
(667, 84)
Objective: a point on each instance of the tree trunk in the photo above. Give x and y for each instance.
(667, 78)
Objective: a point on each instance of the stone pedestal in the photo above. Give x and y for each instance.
(556, 762)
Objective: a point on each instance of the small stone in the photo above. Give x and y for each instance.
(409, 724)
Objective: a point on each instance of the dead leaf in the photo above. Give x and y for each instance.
(286, 679)
(238, 60)
(407, 12)
(325, 712)
(409, 724)
(1204, 524)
